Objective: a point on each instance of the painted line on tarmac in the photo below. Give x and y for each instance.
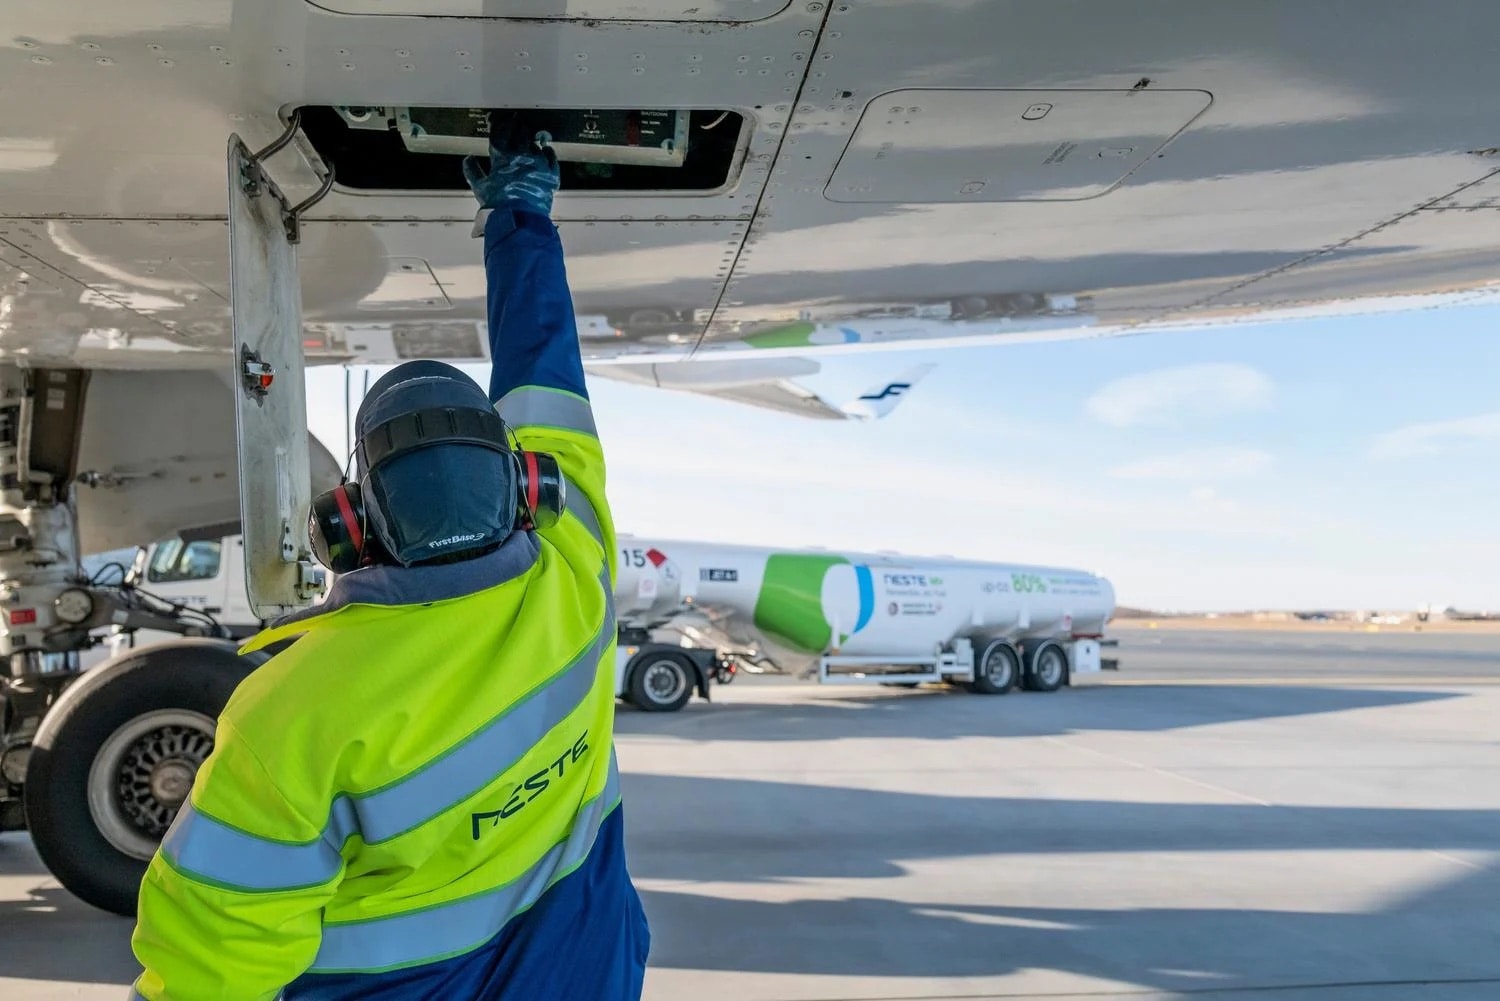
(1457, 861)
(1165, 773)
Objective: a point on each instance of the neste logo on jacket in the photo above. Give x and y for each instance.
(535, 784)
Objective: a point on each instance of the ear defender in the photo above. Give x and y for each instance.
(336, 528)
(337, 525)
(543, 493)
(336, 521)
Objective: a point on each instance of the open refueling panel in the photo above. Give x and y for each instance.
(391, 147)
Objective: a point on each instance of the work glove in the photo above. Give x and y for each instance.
(522, 172)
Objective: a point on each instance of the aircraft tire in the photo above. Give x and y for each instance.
(997, 670)
(115, 758)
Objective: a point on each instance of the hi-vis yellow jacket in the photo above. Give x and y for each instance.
(418, 798)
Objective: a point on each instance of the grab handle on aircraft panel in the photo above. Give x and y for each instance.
(280, 142)
(291, 216)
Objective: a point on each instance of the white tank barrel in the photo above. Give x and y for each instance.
(816, 601)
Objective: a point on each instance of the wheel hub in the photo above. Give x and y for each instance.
(664, 681)
(144, 773)
(171, 781)
(157, 774)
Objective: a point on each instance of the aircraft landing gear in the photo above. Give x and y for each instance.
(38, 562)
(95, 764)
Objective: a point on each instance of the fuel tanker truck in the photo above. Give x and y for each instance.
(691, 610)
(693, 613)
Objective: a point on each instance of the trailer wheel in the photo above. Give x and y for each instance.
(997, 670)
(661, 682)
(115, 759)
(1046, 667)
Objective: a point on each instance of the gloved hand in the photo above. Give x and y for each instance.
(522, 172)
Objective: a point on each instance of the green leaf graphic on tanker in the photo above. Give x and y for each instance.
(790, 603)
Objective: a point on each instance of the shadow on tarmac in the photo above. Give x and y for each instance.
(936, 713)
(715, 830)
(748, 830)
(52, 935)
(1449, 934)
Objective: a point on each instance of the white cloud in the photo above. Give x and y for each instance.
(1169, 395)
(1436, 436)
(1198, 464)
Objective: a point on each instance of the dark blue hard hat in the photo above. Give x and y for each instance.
(443, 498)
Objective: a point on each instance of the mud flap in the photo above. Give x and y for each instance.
(270, 394)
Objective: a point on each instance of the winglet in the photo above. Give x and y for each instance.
(878, 401)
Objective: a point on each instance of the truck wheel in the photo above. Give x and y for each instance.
(997, 671)
(115, 759)
(661, 682)
(1046, 668)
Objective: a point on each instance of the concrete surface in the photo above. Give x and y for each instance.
(1236, 817)
(1308, 655)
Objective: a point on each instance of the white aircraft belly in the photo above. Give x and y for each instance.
(1340, 156)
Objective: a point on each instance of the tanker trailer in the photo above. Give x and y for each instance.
(860, 618)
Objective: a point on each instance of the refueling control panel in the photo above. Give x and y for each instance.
(658, 138)
(405, 148)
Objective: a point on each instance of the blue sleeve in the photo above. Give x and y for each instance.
(533, 335)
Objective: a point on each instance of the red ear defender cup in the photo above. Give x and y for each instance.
(543, 491)
(335, 526)
(352, 519)
(530, 479)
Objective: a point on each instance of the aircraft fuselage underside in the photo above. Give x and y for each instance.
(897, 173)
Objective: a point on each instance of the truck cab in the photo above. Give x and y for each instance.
(204, 574)
(201, 573)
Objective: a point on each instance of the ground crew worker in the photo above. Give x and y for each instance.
(418, 798)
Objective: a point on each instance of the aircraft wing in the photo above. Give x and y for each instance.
(768, 383)
(783, 397)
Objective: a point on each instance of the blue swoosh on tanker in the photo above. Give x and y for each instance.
(866, 595)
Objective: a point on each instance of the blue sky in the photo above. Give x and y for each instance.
(1335, 462)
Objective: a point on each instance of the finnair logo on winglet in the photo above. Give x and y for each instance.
(877, 401)
(894, 389)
